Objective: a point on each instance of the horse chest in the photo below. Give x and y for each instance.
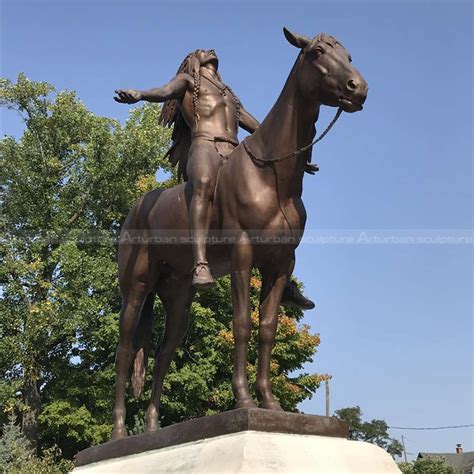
(273, 217)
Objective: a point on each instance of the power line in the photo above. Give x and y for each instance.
(431, 428)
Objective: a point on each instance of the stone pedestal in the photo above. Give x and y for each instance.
(240, 441)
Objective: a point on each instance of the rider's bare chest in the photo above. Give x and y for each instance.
(212, 100)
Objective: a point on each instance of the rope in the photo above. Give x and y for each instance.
(300, 150)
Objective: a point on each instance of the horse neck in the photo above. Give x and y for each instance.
(288, 126)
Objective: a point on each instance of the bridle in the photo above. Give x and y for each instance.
(264, 161)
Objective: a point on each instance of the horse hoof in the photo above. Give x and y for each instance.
(245, 403)
(119, 433)
(153, 426)
(271, 405)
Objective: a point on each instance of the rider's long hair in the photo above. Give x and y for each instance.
(171, 116)
(190, 65)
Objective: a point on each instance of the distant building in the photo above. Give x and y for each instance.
(461, 462)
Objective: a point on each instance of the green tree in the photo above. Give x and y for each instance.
(374, 431)
(17, 456)
(429, 465)
(14, 447)
(68, 183)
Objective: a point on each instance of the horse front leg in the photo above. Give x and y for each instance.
(241, 267)
(274, 281)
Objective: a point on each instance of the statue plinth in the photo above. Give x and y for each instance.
(237, 441)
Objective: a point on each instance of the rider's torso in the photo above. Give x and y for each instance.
(217, 110)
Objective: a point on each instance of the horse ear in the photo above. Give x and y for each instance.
(299, 41)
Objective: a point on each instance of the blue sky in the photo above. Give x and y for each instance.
(395, 318)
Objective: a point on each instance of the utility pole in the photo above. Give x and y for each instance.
(404, 449)
(327, 399)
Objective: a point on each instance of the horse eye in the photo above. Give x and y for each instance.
(318, 50)
(350, 58)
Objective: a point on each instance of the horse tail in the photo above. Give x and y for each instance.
(142, 343)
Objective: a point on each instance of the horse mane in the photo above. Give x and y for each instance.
(325, 38)
(171, 116)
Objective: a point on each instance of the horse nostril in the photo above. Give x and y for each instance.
(351, 85)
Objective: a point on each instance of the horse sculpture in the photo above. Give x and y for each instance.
(257, 201)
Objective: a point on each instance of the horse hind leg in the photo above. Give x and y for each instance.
(132, 304)
(176, 296)
(137, 277)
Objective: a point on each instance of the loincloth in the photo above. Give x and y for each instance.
(224, 146)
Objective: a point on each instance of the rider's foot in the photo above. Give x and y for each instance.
(293, 297)
(202, 277)
(311, 168)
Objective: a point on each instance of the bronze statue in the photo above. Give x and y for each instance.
(256, 200)
(206, 115)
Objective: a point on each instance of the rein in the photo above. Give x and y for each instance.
(299, 150)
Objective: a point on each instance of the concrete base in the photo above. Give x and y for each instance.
(253, 452)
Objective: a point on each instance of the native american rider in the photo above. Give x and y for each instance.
(206, 115)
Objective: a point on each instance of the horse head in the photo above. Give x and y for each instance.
(325, 73)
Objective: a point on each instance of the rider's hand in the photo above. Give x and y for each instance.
(128, 96)
(310, 168)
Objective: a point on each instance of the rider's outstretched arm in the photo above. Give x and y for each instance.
(247, 121)
(175, 89)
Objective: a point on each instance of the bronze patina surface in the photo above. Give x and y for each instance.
(233, 421)
(256, 201)
(205, 115)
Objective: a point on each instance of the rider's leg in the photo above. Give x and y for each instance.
(203, 165)
(292, 296)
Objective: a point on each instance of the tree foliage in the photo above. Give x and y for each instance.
(67, 185)
(428, 465)
(17, 456)
(67, 182)
(374, 431)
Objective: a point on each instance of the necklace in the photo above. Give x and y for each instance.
(221, 87)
